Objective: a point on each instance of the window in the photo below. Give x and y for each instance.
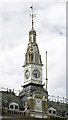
(67, 114)
(16, 107)
(50, 111)
(54, 112)
(11, 106)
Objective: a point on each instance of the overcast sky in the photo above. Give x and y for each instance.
(50, 26)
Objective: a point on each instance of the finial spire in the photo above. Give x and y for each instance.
(32, 15)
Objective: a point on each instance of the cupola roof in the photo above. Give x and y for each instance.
(32, 31)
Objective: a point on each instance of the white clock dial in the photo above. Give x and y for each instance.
(27, 74)
(36, 73)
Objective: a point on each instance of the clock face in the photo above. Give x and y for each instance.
(36, 73)
(27, 74)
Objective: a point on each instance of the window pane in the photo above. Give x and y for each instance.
(16, 107)
(11, 106)
(49, 111)
(54, 112)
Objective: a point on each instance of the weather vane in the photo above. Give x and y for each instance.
(32, 15)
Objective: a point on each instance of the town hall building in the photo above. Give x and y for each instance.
(32, 101)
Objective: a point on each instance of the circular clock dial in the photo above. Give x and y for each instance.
(36, 73)
(27, 74)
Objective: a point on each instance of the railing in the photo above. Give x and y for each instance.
(21, 114)
(57, 99)
(13, 91)
(7, 112)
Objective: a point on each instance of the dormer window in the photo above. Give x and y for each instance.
(13, 106)
(52, 111)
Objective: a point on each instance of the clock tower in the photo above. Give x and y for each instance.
(33, 92)
(33, 63)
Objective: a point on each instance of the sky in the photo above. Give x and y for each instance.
(50, 26)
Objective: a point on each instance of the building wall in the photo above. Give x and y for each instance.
(8, 97)
(0, 103)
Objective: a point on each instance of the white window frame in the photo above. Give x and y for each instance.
(14, 104)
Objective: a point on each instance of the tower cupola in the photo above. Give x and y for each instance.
(32, 55)
(32, 36)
